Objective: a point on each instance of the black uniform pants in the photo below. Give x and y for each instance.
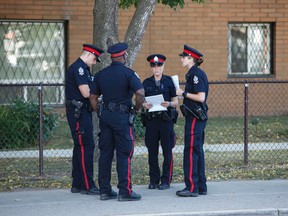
(117, 134)
(83, 151)
(159, 130)
(194, 161)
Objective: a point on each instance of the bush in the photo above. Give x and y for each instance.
(19, 125)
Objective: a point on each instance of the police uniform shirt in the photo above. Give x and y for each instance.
(165, 87)
(78, 74)
(116, 83)
(196, 81)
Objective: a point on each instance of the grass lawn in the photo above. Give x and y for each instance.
(220, 130)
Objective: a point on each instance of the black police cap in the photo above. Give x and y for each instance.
(94, 50)
(118, 49)
(189, 51)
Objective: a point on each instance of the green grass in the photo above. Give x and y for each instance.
(61, 138)
(231, 130)
(219, 130)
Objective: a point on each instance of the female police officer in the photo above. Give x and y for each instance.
(159, 125)
(195, 111)
(77, 90)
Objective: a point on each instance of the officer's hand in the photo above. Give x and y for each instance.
(179, 91)
(147, 105)
(165, 104)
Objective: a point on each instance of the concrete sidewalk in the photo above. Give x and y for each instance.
(249, 197)
(143, 150)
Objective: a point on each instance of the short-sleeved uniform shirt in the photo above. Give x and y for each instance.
(77, 74)
(165, 87)
(196, 81)
(116, 83)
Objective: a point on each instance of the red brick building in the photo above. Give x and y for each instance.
(213, 28)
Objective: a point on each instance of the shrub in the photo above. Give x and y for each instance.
(19, 125)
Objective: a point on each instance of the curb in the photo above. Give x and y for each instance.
(247, 212)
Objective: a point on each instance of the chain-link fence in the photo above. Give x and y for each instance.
(248, 125)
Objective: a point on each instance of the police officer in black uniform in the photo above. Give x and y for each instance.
(194, 109)
(159, 124)
(78, 111)
(117, 84)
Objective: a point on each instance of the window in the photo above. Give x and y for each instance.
(32, 52)
(250, 49)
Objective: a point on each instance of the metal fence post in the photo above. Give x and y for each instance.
(40, 102)
(246, 123)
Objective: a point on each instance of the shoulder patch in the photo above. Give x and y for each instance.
(195, 79)
(81, 71)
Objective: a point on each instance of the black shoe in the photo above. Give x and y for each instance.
(186, 193)
(152, 186)
(75, 190)
(92, 191)
(132, 197)
(202, 192)
(106, 196)
(163, 186)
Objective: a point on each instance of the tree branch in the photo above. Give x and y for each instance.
(137, 28)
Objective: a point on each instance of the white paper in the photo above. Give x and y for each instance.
(175, 81)
(156, 101)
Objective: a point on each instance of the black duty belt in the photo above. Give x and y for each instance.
(111, 106)
(154, 115)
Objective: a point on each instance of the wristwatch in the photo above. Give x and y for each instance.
(184, 94)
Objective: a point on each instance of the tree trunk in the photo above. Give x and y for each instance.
(105, 28)
(137, 28)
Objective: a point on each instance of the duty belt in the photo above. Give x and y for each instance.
(154, 115)
(111, 106)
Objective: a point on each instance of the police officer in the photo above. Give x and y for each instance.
(78, 111)
(195, 94)
(117, 84)
(159, 124)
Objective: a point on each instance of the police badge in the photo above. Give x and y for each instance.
(156, 59)
(195, 79)
(81, 71)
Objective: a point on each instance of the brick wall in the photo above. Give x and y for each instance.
(202, 26)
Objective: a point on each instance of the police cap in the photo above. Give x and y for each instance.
(156, 59)
(189, 51)
(94, 50)
(117, 50)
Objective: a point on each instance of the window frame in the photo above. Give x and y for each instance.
(57, 57)
(270, 44)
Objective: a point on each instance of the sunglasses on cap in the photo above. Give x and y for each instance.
(159, 64)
